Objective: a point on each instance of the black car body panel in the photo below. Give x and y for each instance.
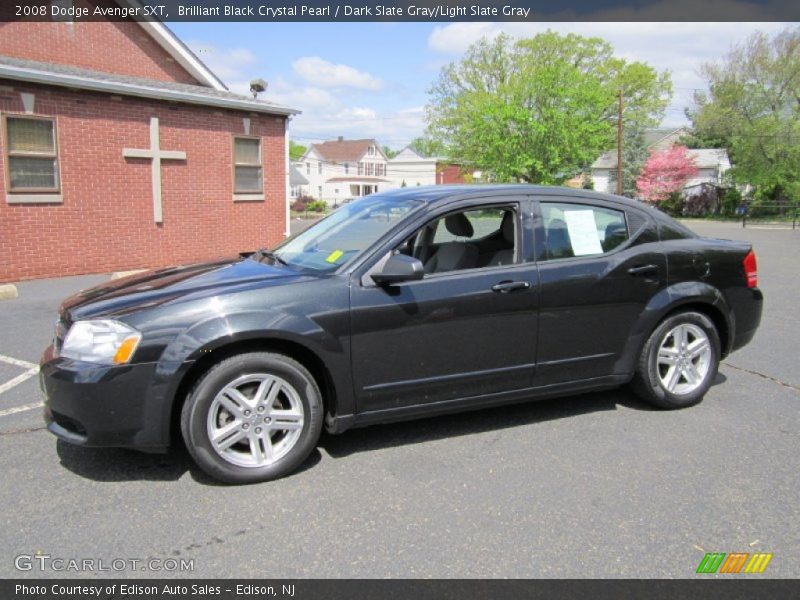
(447, 342)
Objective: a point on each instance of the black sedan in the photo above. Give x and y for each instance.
(399, 305)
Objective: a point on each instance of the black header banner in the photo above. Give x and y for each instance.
(401, 10)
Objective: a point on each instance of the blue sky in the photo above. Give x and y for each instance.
(371, 79)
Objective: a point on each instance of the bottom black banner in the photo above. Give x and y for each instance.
(415, 589)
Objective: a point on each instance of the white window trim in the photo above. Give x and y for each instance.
(35, 198)
(248, 197)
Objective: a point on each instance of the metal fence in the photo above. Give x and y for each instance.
(781, 212)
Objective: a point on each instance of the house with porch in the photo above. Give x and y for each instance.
(340, 169)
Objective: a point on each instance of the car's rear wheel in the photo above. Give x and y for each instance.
(679, 361)
(252, 417)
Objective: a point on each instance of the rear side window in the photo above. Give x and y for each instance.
(572, 230)
(670, 229)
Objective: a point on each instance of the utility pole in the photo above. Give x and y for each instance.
(619, 145)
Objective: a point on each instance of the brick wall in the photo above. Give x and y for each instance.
(106, 220)
(446, 174)
(122, 48)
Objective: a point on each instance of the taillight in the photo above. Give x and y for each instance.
(750, 269)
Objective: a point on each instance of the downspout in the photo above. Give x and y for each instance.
(287, 232)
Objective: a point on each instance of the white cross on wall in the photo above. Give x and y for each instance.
(156, 155)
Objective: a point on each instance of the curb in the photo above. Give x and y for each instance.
(121, 274)
(8, 291)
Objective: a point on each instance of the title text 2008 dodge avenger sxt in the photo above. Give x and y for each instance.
(399, 305)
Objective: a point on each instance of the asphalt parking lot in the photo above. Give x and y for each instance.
(593, 486)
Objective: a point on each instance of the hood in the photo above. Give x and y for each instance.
(174, 284)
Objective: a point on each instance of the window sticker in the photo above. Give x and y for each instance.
(583, 232)
(334, 256)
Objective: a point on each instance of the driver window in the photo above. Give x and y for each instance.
(470, 239)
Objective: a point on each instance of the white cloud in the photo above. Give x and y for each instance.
(305, 98)
(395, 128)
(228, 64)
(321, 72)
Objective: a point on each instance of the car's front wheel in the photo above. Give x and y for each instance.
(252, 417)
(679, 361)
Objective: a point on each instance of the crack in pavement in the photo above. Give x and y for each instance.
(764, 376)
(19, 431)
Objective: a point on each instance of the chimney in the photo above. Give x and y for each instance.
(341, 138)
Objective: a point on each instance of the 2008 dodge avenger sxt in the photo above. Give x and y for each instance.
(399, 305)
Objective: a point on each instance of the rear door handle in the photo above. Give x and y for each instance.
(643, 271)
(509, 286)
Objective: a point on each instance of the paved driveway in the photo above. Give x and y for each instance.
(591, 486)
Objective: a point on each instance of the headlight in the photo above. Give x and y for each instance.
(103, 341)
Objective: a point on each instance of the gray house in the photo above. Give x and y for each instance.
(711, 162)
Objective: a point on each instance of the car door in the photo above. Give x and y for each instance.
(455, 334)
(599, 265)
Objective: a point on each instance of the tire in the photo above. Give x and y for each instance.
(252, 417)
(670, 375)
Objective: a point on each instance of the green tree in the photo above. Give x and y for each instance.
(541, 109)
(426, 146)
(389, 152)
(634, 156)
(752, 108)
(296, 151)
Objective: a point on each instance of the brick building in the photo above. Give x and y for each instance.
(121, 149)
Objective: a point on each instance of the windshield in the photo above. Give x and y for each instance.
(345, 233)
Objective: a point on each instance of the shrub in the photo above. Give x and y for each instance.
(730, 201)
(317, 206)
(301, 203)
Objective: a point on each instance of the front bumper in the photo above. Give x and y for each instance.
(100, 405)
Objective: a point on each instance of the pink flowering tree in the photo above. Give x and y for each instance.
(665, 173)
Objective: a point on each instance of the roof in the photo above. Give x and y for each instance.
(343, 150)
(652, 137)
(86, 79)
(437, 193)
(170, 42)
(296, 177)
(709, 158)
(706, 158)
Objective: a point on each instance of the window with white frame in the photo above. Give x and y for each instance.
(31, 153)
(247, 168)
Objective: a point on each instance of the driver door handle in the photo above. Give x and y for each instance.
(643, 271)
(509, 286)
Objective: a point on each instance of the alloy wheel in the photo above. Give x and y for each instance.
(255, 420)
(684, 359)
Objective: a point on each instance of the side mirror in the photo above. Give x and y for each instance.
(399, 268)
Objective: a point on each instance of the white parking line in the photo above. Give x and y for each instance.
(15, 361)
(32, 370)
(18, 379)
(19, 409)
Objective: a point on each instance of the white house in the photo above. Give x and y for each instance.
(411, 169)
(298, 185)
(711, 162)
(340, 169)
